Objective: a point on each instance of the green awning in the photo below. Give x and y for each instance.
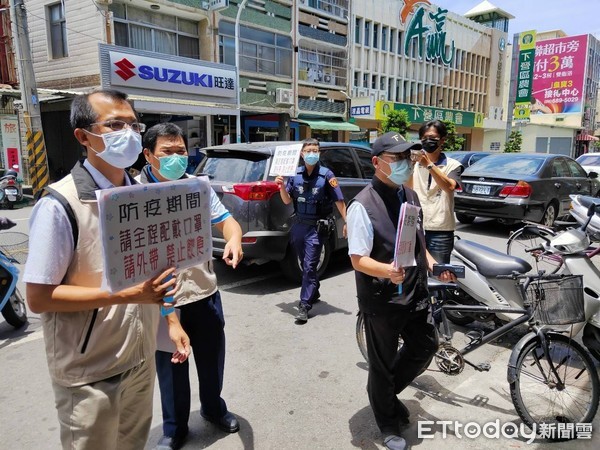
(329, 125)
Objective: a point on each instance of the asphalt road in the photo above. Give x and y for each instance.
(292, 386)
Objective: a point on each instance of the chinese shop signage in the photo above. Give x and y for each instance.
(433, 35)
(420, 114)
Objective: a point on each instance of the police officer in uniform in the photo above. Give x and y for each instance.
(313, 190)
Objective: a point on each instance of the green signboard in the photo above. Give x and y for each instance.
(422, 114)
(525, 75)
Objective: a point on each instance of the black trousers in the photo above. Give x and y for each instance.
(204, 323)
(390, 370)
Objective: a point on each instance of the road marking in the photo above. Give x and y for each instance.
(246, 282)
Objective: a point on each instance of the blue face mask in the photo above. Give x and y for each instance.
(401, 171)
(173, 167)
(311, 158)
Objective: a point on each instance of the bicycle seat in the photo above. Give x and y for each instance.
(490, 262)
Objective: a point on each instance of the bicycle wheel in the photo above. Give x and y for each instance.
(532, 236)
(361, 338)
(538, 396)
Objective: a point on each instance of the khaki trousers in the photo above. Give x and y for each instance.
(115, 413)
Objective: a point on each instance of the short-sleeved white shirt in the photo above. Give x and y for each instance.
(360, 230)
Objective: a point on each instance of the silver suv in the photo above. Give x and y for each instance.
(239, 175)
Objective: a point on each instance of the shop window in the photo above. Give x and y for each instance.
(58, 31)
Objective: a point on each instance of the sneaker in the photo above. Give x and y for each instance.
(302, 315)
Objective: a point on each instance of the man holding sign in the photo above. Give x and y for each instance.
(198, 302)
(100, 346)
(313, 190)
(389, 310)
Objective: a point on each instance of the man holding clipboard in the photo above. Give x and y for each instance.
(391, 282)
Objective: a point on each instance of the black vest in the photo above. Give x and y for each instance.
(379, 295)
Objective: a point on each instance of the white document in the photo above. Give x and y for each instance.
(406, 235)
(147, 228)
(285, 161)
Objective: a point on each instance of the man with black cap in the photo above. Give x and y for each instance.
(390, 312)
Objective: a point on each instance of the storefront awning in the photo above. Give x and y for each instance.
(329, 125)
(586, 137)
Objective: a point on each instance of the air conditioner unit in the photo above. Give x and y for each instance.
(284, 96)
(363, 92)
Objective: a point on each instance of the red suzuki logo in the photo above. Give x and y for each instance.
(124, 70)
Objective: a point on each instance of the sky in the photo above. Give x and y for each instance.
(572, 16)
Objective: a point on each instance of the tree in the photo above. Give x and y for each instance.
(513, 145)
(453, 141)
(396, 120)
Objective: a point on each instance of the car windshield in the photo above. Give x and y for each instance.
(509, 164)
(238, 167)
(589, 160)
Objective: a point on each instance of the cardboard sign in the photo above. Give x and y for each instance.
(147, 228)
(285, 161)
(404, 254)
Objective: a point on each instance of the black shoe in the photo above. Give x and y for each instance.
(394, 442)
(227, 423)
(302, 316)
(169, 443)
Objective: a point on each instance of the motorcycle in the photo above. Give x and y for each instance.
(13, 250)
(11, 186)
(483, 264)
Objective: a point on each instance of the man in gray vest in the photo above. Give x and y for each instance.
(100, 346)
(390, 312)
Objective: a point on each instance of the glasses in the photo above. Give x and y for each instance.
(118, 125)
(397, 156)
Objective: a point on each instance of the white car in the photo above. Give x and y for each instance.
(590, 162)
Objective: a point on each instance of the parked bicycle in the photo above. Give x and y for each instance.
(552, 378)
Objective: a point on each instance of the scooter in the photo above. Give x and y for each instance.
(12, 187)
(483, 265)
(12, 304)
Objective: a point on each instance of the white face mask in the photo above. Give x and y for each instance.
(121, 148)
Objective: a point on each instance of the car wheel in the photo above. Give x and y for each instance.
(549, 216)
(463, 218)
(292, 269)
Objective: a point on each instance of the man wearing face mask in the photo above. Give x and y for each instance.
(435, 179)
(388, 313)
(313, 190)
(198, 303)
(99, 346)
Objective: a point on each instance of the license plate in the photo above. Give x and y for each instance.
(480, 189)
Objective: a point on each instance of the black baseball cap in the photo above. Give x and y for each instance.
(392, 142)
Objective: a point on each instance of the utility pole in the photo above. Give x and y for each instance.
(36, 148)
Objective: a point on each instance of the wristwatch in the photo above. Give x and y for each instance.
(429, 166)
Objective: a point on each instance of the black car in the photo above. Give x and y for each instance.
(467, 158)
(522, 187)
(239, 175)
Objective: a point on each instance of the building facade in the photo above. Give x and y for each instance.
(430, 62)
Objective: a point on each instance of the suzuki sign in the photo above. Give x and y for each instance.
(136, 71)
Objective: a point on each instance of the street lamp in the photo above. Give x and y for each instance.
(238, 121)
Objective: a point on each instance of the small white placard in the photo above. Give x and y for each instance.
(285, 160)
(404, 256)
(147, 228)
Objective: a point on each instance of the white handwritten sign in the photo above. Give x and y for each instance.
(285, 160)
(404, 255)
(147, 228)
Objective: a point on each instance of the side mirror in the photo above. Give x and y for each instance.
(593, 175)
(591, 210)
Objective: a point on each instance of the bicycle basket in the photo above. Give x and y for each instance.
(15, 245)
(557, 302)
